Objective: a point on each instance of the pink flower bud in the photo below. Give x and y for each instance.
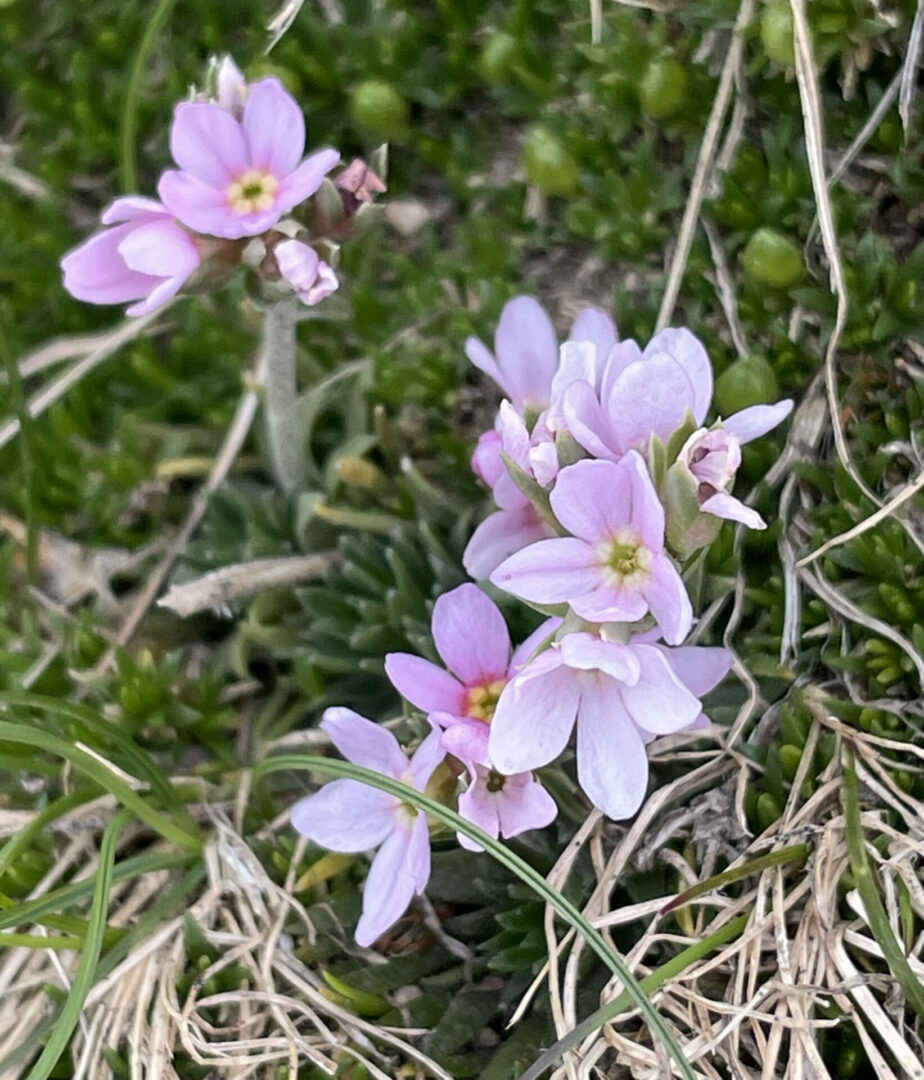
(305, 271)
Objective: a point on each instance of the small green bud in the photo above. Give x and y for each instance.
(777, 34)
(790, 759)
(549, 166)
(749, 381)
(771, 258)
(380, 111)
(496, 57)
(663, 87)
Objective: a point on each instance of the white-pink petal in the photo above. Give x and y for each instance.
(659, 701)
(364, 742)
(423, 684)
(274, 127)
(471, 635)
(611, 759)
(668, 600)
(534, 716)
(757, 420)
(346, 816)
(208, 143)
(550, 572)
(726, 506)
(389, 887)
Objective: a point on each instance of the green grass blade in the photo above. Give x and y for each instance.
(64, 1026)
(35, 910)
(869, 893)
(649, 984)
(36, 941)
(128, 165)
(139, 763)
(39, 823)
(506, 857)
(98, 772)
(793, 853)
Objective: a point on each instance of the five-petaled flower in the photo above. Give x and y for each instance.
(349, 816)
(613, 568)
(237, 177)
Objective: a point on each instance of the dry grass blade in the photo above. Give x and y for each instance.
(220, 588)
(910, 68)
(704, 164)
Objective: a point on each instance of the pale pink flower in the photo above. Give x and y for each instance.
(305, 271)
(473, 642)
(358, 184)
(238, 177)
(349, 816)
(619, 696)
(713, 458)
(145, 256)
(500, 535)
(613, 568)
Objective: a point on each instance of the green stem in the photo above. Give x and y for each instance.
(649, 984)
(571, 914)
(278, 352)
(869, 893)
(128, 166)
(793, 853)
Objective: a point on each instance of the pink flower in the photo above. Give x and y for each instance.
(472, 639)
(640, 394)
(305, 271)
(619, 696)
(238, 177)
(613, 567)
(349, 816)
(145, 256)
(525, 363)
(500, 535)
(713, 458)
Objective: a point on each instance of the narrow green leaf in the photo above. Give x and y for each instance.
(794, 853)
(869, 893)
(67, 1021)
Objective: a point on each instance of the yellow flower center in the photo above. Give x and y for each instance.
(481, 701)
(251, 191)
(625, 560)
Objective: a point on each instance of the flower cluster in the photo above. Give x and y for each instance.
(240, 178)
(605, 481)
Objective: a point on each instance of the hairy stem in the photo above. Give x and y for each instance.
(280, 399)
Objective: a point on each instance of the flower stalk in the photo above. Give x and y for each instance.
(277, 358)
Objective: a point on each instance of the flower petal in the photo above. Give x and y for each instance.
(364, 742)
(97, 273)
(160, 248)
(534, 716)
(598, 328)
(726, 506)
(699, 667)
(523, 652)
(522, 807)
(304, 181)
(483, 359)
(471, 635)
(501, 534)
(275, 128)
(132, 207)
(659, 702)
(550, 572)
(610, 604)
(751, 423)
(418, 856)
(201, 207)
(649, 397)
(668, 600)
(465, 739)
(622, 354)
(588, 652)
(389, 887)
(593, 498)
(158, 296)
(527, 351)
(690, 353)
(207, 142)
(427, 757)
(611, 759)
(479, 806)
(423, 684)
(346, 816)
(587, 422)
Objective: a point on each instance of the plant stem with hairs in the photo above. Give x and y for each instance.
(280, 398)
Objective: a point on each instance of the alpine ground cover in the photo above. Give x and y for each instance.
(751, 171)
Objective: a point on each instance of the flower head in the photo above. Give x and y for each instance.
(620, 696)
(305, 271)
(145, 256)
(613, 568)
(349, 816)
(472, 639)
(237, 177)
(713, 457)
